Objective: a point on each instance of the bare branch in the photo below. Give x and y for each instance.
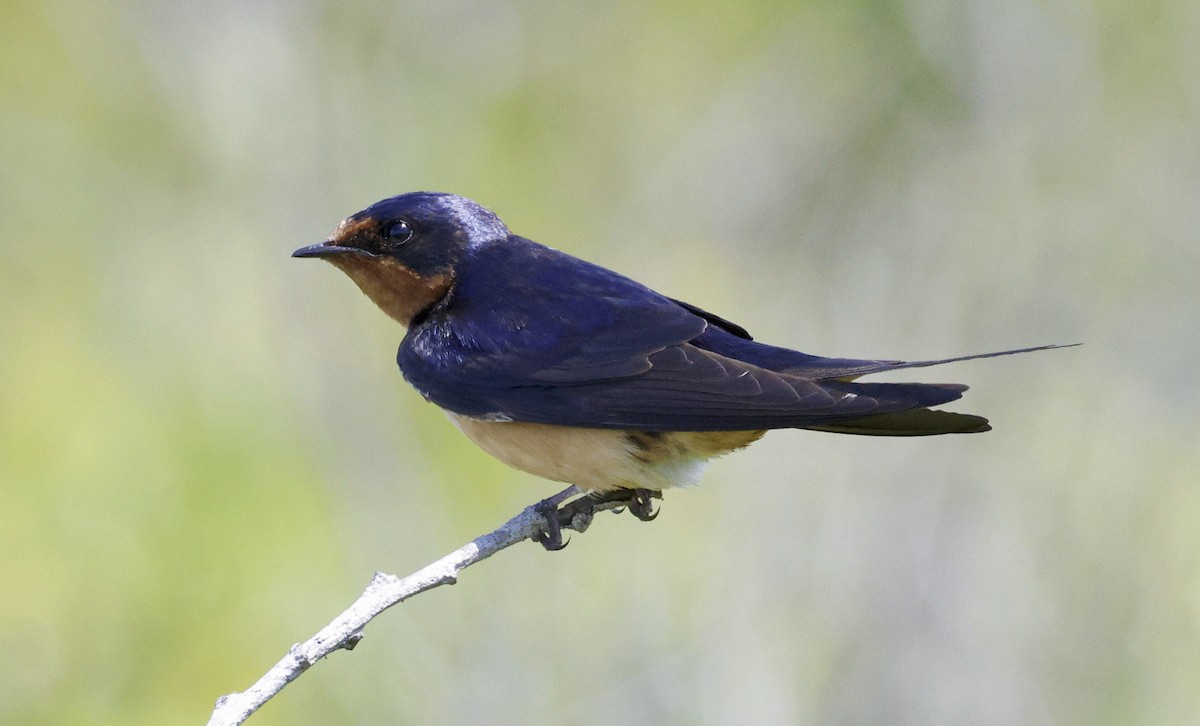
(386, 590)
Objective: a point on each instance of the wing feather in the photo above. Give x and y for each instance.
(575, 344)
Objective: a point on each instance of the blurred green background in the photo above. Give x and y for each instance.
(206, 449)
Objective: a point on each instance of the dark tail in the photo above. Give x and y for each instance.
(914, 418)
(900, 409)
(850, 372)
(917, 422)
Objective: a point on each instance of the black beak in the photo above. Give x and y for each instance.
(325, 249)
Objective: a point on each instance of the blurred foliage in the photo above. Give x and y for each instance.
(205, 449)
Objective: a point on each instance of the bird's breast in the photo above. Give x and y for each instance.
(601, 460)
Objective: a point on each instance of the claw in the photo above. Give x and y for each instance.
(553, 542)
(578, 513)
(639, 502)
(551, 535)
(641, 505)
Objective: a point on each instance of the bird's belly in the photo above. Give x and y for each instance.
(602, 460)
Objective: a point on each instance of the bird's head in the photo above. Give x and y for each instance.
(404, 252)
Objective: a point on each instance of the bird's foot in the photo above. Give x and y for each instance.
(578, 514)
(550, 536)
(641, 504)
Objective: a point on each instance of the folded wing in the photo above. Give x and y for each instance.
(578, 345)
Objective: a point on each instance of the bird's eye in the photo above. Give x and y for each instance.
(397, 232)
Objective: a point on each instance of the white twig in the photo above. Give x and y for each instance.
(385, 591)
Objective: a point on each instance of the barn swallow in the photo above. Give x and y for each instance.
(572, 372)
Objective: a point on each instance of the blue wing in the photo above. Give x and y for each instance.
(532, 334)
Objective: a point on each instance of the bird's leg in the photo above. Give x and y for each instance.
(551, 536)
